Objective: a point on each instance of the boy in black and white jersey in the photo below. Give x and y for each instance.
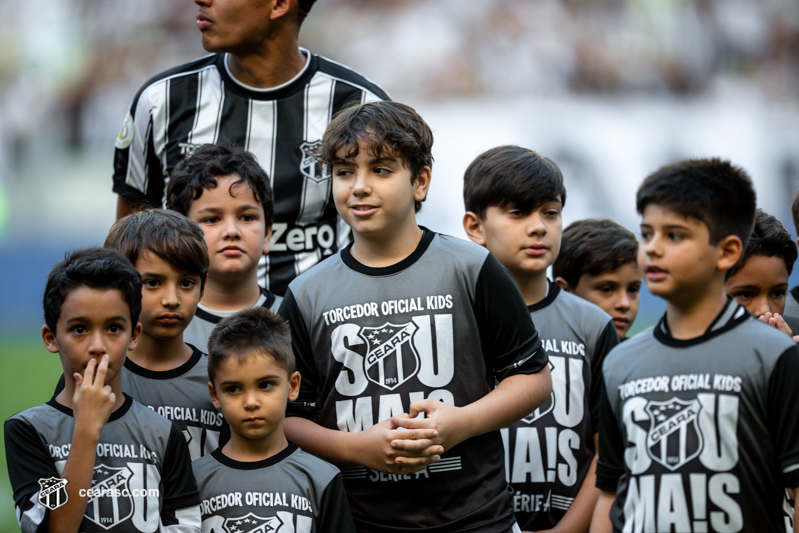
(699, 416)
(92, 458)
(514, 198)
(598, 261)
(224, 190)
(166, 372)
(259, 481)
(406, 322)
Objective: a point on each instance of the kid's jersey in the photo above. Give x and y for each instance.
(701, 434)
(291, 492)
(201, 102)
(548, 453)
(791, 312)
(142, 478)
(443, 324)
(205, 320)
(180, 395)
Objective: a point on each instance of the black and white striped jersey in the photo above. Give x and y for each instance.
(201, 102)
(142, 478)
(548, 453)
(445, 323)
(290, 491)
(701, 434)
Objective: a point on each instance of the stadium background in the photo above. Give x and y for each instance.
(610, 89)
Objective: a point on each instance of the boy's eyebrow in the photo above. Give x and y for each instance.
(85, 319)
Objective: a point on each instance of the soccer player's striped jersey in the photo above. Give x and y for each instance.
(201, 102)
(444, 324)
(548, 453)
(180, 395)
(791, 312)
(292, 491)
(701, 434)
(142, 479)
(206, 319)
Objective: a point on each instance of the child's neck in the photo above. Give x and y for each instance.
(231, 294)
(250, 451)
(533, 286)
(378, 253)
(68, 392)
(160, 355)
(690, 319)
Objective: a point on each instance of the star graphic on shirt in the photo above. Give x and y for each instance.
(661, 417)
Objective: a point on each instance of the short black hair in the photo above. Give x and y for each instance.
(303, 8)
(250, 331)
(594, 246)
(208, 162)
(387, 129)
(712, 191)
(171, 236)
(96, 268)
(769, 238)
(511, 175)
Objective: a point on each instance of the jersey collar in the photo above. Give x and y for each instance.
(730, 316)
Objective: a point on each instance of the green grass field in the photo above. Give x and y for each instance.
(29, 376)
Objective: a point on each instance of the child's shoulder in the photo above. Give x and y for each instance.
(587, 314)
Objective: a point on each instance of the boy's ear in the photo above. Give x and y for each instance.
(294, 386)
(281, 7)
(48, 337)
(563, 284)
(730, 249)
(212, 394)
(267, 239)
(134, 338)
(473, 225)
(422, 184)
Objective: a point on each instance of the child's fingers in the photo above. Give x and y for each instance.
(419, 462)
(417, 447)
(78, 380)
(88, 376)
(413, 423)
(102, 369)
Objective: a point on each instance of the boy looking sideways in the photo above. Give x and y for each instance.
(224, 190)
(514, 198)
(164, 372)
(699, 416)
(261, 474)
(92, 457)
(598, 262)
(415, 324)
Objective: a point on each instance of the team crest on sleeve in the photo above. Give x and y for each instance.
(674, 436)
(545, 407)
(125, 136)
(53, 492)
(391, 357)
(251, 523)
(309, 166)
(113, 503)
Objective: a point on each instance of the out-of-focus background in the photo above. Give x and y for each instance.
(610, 89)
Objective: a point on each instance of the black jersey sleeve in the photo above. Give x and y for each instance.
(27, 460)
(179, 486)
(334, 509)
(610, 464)
(783, 414)
(303, 406)
(508, 337)
(606, 342)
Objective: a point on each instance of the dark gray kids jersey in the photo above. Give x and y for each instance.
(549, 452)
(791, 312)
(444, 323)
(206, 319)
(292, 492)
(701, 434)
(142, 473)
(201, 102)
(180, 395)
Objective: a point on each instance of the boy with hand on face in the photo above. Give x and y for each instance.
(92, 458)
(514, 198)
(699, 413)
(414, 323)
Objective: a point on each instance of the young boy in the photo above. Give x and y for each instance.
(413, 323)
(163, 372)
(514, 198)
(224, 190)
(93, 459)
(699, 419)
(598, 262)
(258, 477)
